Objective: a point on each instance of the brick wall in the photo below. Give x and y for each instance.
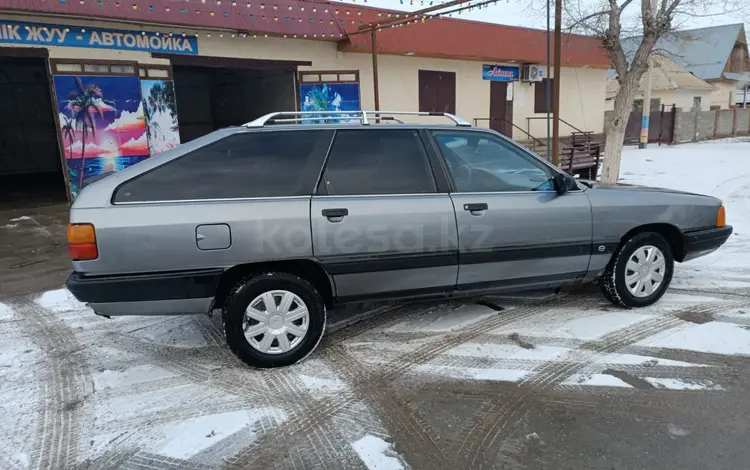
(685, 126)
(706, 124)
(724, 123)
(702, 125)
(743, 121)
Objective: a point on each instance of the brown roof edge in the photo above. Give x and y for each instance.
(346, 46)
(230, 62)
(456, 19)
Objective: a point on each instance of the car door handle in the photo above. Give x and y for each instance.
(333, 213)
(476, 206)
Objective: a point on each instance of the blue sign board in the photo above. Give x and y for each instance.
(40, 34)
(500, 73)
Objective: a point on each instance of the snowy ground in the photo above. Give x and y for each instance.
(540, 382)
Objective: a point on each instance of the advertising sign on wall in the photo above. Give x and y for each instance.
(102, 125)
(40, 34)
(500, 73)
(340, 97)
(160, 108)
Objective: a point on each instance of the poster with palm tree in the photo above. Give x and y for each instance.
(102, 125)
(337, 98)
(160, 108)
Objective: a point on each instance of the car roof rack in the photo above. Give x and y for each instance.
(364, 117)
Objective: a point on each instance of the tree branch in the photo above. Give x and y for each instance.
(589, 17)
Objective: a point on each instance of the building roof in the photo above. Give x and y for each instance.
(703, 51)
(666, 76)
(314, 18)
(451, 38)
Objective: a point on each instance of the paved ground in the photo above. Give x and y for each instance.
(547, 381)
(560, 382)
(34, 255)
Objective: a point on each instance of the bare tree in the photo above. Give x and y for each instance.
(614, 20)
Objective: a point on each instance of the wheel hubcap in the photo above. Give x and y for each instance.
(645, 271)
(276, 322)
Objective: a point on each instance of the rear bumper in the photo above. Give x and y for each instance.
(173, 293)
(703, 242)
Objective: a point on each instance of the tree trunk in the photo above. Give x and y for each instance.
(616, 129)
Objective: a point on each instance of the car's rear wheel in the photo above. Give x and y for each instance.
(274, 319)
(640, 271)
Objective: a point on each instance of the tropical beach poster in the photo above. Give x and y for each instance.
(102, 123)
(340, 97)
(160, 108)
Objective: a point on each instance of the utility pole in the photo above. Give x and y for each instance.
(375, 83)
(646, 116)
(548, 87)
(407, 17)
(556, 85)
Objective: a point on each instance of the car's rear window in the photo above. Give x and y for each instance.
(252, 164)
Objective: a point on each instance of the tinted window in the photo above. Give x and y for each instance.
(256, 164)
(378, 162)
(481, 162)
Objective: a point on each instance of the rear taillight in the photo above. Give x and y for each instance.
(721, 217)
(82, 242)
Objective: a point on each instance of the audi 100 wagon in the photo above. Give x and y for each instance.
(277, 221)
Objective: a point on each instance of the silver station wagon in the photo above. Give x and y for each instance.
(276, 221)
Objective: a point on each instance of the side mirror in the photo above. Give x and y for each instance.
(563, 183)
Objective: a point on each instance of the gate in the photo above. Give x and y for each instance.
(660, 126)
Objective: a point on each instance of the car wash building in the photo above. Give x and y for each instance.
(93, 86)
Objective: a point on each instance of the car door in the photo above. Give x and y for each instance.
(514, 229)
(379, 226)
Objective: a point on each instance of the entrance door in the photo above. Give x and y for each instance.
(437, 92)
(501, 108)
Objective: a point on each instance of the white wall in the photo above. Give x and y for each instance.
(582, 93)
(684, 99)
(724, 94)
(680, 98)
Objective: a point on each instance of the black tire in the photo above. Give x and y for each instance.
(250, 288)
(613, 283)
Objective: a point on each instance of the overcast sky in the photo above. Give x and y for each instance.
(519, 13)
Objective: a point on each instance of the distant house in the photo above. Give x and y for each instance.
(742, 97)
(717, 55)
(670, 85)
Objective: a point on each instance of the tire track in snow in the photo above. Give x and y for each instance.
(286, 393)
(265, 450)
(62, 384)
(413, 438)
(427, 352)
(201, 365)
(484, 434)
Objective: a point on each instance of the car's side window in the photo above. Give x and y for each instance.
(253, 164)
(482, 162)
(387, 161)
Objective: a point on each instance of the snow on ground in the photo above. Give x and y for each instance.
(677, 384)
(734, 339)
(377, 454)
(157, 393)
(720, 169)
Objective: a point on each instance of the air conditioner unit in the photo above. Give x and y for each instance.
(532, 73)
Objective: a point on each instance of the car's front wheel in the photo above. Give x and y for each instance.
(274, 319)
(640, 271)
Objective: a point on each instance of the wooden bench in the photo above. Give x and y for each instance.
(581, 160)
